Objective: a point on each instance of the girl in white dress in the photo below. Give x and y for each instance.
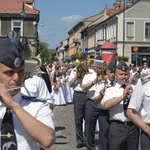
(70, 88)
(57, 92)
(66, 87)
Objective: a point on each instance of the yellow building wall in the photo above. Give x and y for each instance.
(71, 51)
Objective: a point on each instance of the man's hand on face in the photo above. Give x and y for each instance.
(5, 96)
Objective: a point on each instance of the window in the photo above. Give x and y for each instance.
(16, 26)
(130, 29)
(147, 29)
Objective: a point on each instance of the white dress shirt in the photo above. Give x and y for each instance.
(105, 85)
(38, 110)
(140, 100)
(77, 85)
(117, 112)
(88, 78)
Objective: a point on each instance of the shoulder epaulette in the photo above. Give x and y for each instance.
(145, 79)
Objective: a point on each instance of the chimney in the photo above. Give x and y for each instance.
(116, 6)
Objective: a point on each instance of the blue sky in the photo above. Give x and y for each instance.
(57, 17)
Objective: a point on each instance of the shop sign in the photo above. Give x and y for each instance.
(141, 49)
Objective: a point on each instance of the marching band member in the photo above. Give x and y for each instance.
(26, 114)
(93, 110)
(123, 134)
(34, 85)
(79, 100)
(103, 118)
(37, 85)
(139, 110)
(89, 85)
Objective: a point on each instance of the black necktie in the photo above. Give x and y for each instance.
(111, 83)
(126, 100)
(8, 137)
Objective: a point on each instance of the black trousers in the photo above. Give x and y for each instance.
(91, 116)
(104, 124)
(145, 141)
(123, 137)
(79, 100)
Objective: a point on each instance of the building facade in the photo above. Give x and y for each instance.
(128, 27)
(22, 18)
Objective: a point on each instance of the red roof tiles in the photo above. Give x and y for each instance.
(15, 7)
(110, 12)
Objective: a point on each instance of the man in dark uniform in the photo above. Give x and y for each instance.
(123, 134)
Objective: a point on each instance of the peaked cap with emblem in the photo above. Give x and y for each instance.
(10, 54)
(122, 66)
(112, 66)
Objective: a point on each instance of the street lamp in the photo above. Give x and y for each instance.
(23, 14)
(129, 3)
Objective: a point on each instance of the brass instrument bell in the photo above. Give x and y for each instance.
(103, 72)
(82, 69)
(38, 60)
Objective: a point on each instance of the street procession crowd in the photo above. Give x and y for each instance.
(111, 99)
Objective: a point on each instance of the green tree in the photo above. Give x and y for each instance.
(43, 49)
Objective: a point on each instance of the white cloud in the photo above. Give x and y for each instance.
(71, 19)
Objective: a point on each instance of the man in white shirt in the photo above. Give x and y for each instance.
(103, 118)
(95, 86)
(79, 100)
(35, 87)
(33, 124)
(123, 134)
(139, 110)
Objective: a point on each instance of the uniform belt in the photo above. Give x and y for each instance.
(127, 123)
(81, 92)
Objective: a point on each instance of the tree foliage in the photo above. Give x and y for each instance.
(45, 53)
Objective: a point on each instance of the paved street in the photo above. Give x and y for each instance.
(65, 132)
(64, 125)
